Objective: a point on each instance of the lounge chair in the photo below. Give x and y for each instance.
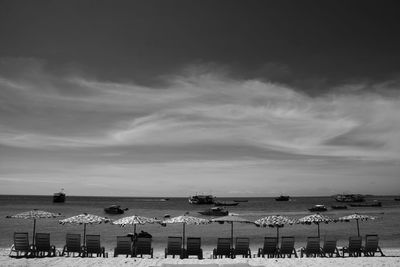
(193, 247)
(270, 247)
(242, 247)
(174, 246)
(21, 245)
(354, 247)
(73, 245)
(42, 245)
(223, 248)
(312, 248)
(329, 248)
(371, 246)
(124, 246)
(287, 247)
(93, 246)
(143, 247)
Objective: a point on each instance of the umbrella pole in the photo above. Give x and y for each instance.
(232, 235)
(34, 230)
(183, 234)
(358, 228)
(318, 230)
(84, 234)
(134, 228)
(277, 234)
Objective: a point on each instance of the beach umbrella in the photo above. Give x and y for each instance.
(134, 220)
(274, 221)
(315, 219)
(35, 214)
(357, 217)
(184, 220)
(84, 219)
(231, 219)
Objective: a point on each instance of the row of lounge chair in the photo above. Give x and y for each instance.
(142, 246)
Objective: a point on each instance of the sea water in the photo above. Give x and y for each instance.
(387, 224)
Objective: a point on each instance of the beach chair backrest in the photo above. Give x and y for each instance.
(93, 244)
(224, 245)
(270, 245)
(313, 245)
(42, 241)
(73, 242)
(174, 245)
(124, 244)
(329, 244)
(193, 245)
(242, 245)
(355, 243)
(371, 243)
(143, 245)
(21, 241)
(287, 244)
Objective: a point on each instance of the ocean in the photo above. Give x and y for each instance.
(387, 224)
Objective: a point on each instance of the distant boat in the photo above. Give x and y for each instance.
(397, 198)
(201, 199)
(164, 199)
(241, 200)
(349, 198)
(215, 211)
(59, 197)
(339, 207)
(375, 203)
(226, 203)
(282, 198)
(114, 209)
(318, 208)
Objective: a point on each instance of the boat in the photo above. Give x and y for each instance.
(215, 211)
(318, 208)
(374, 203)
(226, 203)
(397, 198)
(59, 197)
(339, 207)
(349, 198)
(201, 199)
(282, 198)
(114, 209)
(241, 200)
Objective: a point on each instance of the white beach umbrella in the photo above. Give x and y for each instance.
(134, 220)
(357, 217)
(84, 219)
(315, 219)
(275, 221)
(184, 220)
(231, 219)
(35, 214)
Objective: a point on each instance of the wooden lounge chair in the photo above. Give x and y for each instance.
(21, 246)
(287, 247)
(329, 248)
(93, 246)
(223, 248)
(270, 247)
(43, 246)
(354, 247)
(174, 246)
(193, 247)
(124, 246)
(73, 245)
(371, 246)
(143, 247)
(242, 247)
(312, 248)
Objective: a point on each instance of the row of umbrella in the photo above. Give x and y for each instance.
(275, 221)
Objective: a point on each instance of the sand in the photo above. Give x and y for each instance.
(392, 259)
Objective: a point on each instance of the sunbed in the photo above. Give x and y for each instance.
(143, 247)
(242, 247)
(21, 245)
(270, 247)
(312, 248)
(174, 247)
(93, 246)
(43, 246)
(223, 248)
(371, 246)
(124, 246)
(354, 247)
(73, 245)
(193, 247)
(287, 247)
(329, 248)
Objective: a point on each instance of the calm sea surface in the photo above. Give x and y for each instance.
(387, 225)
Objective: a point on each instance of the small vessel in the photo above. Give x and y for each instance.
(349, 198)
(374, 203)
(215, 211)
(339, 207)
(226, 203)
(318, 208)
(282, 198)
(164, 199)
(241, 200)
(114, 209)
(59, 197)
(397, 198)
(201, 199)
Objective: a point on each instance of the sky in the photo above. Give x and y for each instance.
(173, 98)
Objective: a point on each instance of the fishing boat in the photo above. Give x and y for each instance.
(282, 198)
(114, 209)
(202, 199)
(339, 207)
(397, 198)
(215, 211)
(226, 203)
(349, 198)
(59, 197)
(241, 200)
(318, 208)
(374, 203)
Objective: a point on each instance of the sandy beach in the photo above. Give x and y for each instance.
(392, 259)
